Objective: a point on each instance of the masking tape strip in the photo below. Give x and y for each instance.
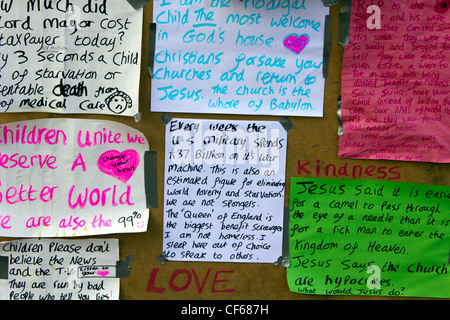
(344, 22)
(162, 258)
(330, 3)
(339, 117)
(326, 46)
(123, 267)
(138, 4)
(165, 118)
(151, 49)
(286, 123)
(150, 169)
(4, 266)
(138, 117)
(284, 259)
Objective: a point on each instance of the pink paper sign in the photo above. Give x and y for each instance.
(395, 83)
(71, 177)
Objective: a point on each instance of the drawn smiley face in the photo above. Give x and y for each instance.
(118, 102)
(140, 224)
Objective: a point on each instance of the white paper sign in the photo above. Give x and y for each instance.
(239, 57)
(78, 56)
(70, 177)
(60, 269)
(224, 190)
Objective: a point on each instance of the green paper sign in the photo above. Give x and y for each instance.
(366, 237)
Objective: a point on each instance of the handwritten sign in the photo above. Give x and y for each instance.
(367, 237)
(239, 57)
(224, 190)
(78, 56)
(395, 83)
(69, 177)
(60, 269)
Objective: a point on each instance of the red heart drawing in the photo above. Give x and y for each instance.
(296, 43)
(120, 165)
(103, 273)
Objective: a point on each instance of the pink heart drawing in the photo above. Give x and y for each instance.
(296, 43)
(120, 165)
(103, 273)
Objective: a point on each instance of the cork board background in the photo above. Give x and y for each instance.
(312, 140)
